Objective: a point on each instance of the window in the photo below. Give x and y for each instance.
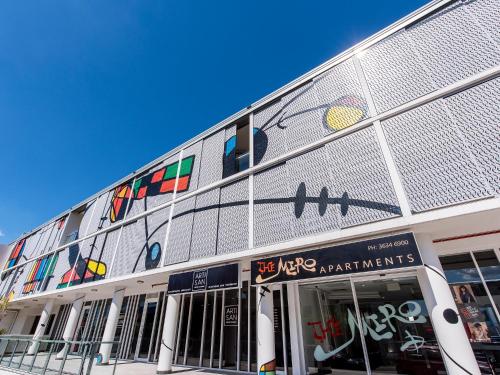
(237, 150)
(474, 280)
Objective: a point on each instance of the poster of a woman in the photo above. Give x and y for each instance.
(463, 294)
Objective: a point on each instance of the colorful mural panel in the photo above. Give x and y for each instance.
(16, 254)
(38, 272)
(155, 183)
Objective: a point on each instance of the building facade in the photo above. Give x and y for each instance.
(346, 223)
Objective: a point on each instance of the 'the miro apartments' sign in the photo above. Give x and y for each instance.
(385, 253)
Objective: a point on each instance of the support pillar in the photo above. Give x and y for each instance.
(70, 327)
(266, 356)
(450, 333)
(168, 336)
(110, 328)
(40, 329)
(295, 321)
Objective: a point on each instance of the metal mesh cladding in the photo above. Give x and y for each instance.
(233, 218)
(451, 44)
(205, 224)
(141, 244)
(179, 238)
(433, 159)
(476, 113)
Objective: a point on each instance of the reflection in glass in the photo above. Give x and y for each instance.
(476, 308)
(328, 314)
(398, 331)
(194, 343)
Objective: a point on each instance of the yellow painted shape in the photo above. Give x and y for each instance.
(340, 117)
(97, 267)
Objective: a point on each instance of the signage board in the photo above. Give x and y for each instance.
(221, 277)
(231, 315)
(378, 254)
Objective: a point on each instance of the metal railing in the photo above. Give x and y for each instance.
(52, 356)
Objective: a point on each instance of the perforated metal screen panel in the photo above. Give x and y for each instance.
(432, 158)
(362, 184)
(233, 218)
(205, 224)
(477, 115)
(452, 44)
(211, 159)
(141, 244)
(179, 239)
(273, 210)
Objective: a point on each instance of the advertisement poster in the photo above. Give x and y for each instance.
(463, 294)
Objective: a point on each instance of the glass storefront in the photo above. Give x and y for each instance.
(378, 324)
(474, 280)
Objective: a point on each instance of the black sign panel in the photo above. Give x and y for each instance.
(205, 279)
(386, 253)
(231, 315)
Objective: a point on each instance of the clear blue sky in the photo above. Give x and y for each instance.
(91, 90)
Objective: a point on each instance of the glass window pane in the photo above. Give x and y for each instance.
(474, 305)
(208, 330)
(244, 327)
(230, 330)
(331, 339)
(397, 328)
(183, 329)
(194, 344)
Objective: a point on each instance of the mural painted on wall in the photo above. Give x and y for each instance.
(344, 112)
(268, 368)
(155, 183)
(40, 269)
(16, 254)
(82, 270)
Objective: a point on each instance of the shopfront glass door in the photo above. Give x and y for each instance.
(332, 342)
(146, 329)
(397, 328)
(377, 325)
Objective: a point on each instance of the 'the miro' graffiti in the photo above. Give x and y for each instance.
(378, 328)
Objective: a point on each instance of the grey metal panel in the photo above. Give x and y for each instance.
(268, 120)
(273, 208)
(301, 117)
(82, 231)
(452, 45)
(337, 87)
(179, 239)
(233, 218)
(193, 150)
(100, 219)
(477, 115)
(19, 277)
(432, 159)
(30, 247)
(211, 159)
(106, 251)
(206, 221)
(394, 72)
(137, 241)
(486, 13)
(362, 183)
(310, 173)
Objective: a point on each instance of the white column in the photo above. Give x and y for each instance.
(42, 325)
(266, 357)
(70, 327)
(168, 336)
(110, 328)
(294, 317)
(450, 333)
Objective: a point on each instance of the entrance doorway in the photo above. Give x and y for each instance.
(368, 325)
(145, 341)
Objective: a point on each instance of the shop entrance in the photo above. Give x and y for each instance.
(145, 341)
(368, 325)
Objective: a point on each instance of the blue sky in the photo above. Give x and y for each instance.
(92, 90)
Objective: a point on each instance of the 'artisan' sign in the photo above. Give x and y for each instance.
(378, 254)
(206, 279)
